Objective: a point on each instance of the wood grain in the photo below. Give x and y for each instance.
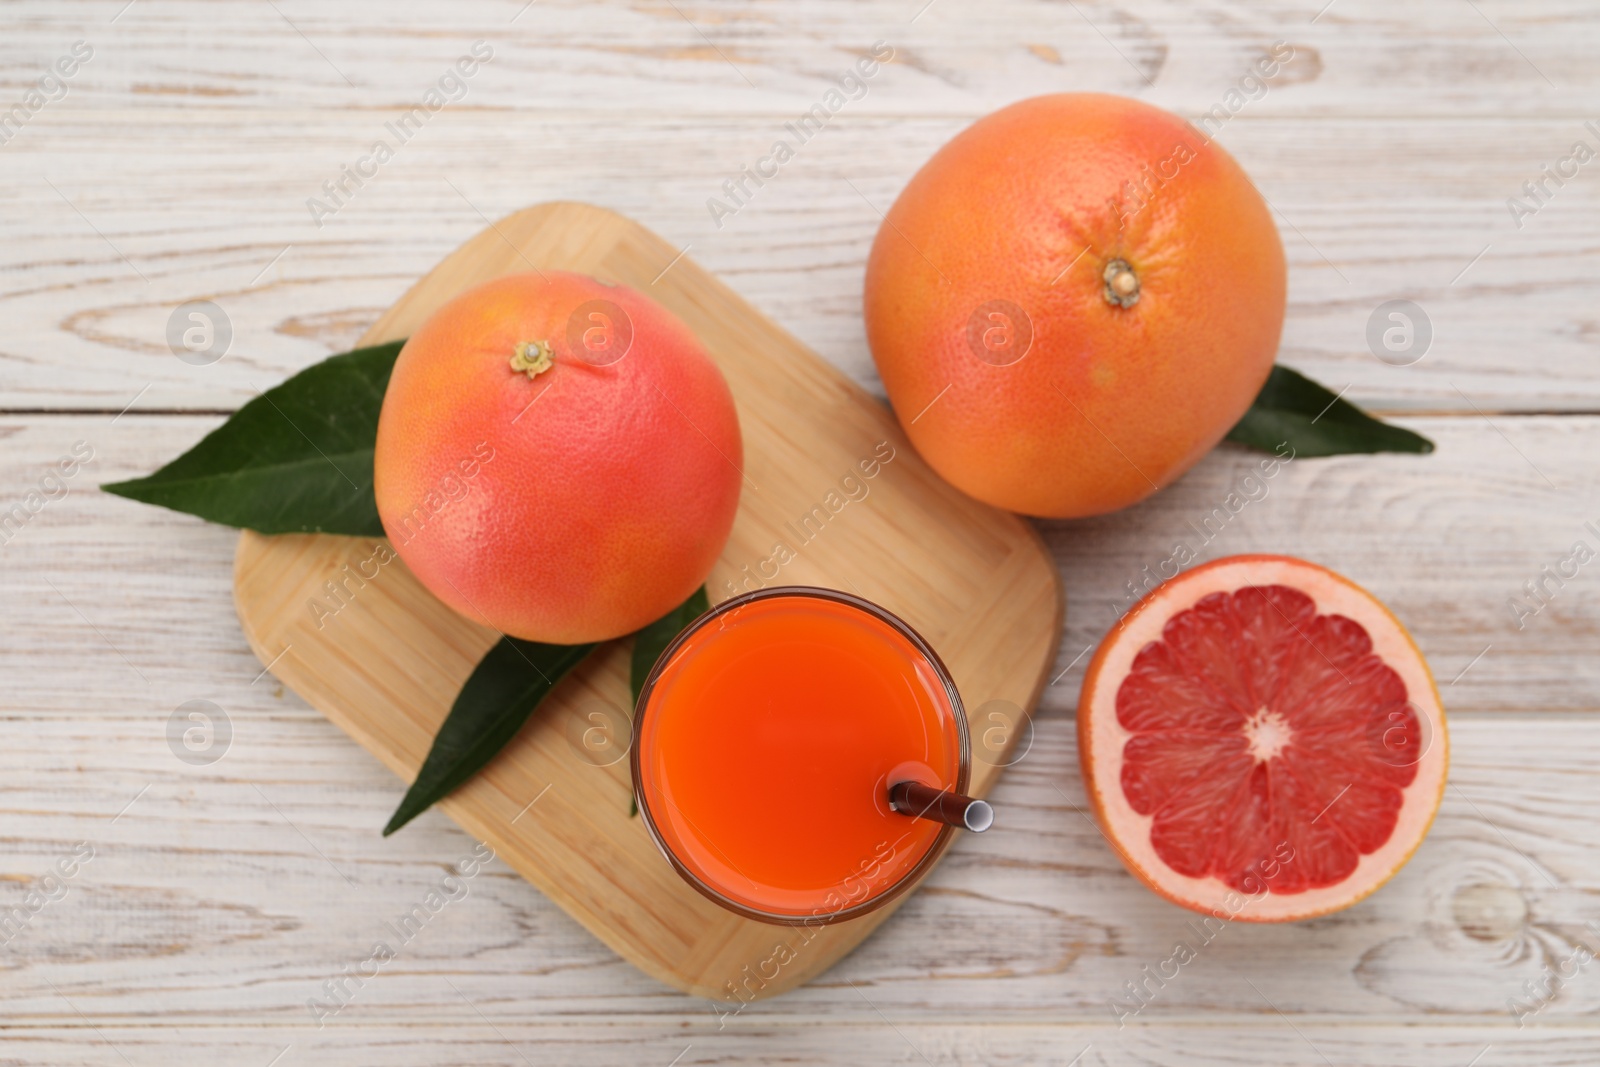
(1446, 540)
(218, 903)
(1369, 58)
(233, 893)
(225, 897)
(975, 582)
(86, 330)
(1215, 1041)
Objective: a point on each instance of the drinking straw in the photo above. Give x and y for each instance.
(937, 805)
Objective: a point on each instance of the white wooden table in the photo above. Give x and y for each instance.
(176, 163)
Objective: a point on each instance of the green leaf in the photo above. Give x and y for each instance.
(650, 642)
(1314, 422)
(296, 459)
(509, 682)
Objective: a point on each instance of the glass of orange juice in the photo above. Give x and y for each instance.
(783, 744)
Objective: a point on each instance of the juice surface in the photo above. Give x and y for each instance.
(769, 744)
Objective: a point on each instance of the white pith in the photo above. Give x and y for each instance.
(1268, 732)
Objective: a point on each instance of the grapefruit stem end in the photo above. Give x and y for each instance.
(532, 358)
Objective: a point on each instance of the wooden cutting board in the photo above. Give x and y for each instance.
(386, 665)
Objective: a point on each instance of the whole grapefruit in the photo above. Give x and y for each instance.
(1072, 302)
(557, 458)
(1262, 740)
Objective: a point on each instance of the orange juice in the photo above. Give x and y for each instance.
(766, 744)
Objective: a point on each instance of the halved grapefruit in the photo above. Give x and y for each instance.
(1261, 740)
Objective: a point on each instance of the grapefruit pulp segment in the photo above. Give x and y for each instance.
(1261, 729)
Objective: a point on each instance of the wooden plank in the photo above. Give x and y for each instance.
(1217, 1041)
(1448, 540)
(86, 330)
(1483, 595)
(231, 894)
(1359, 56)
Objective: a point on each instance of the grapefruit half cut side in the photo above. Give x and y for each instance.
(1261, 740)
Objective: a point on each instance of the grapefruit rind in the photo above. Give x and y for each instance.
(1101, 738)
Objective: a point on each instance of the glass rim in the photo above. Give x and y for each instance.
(963, 754)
